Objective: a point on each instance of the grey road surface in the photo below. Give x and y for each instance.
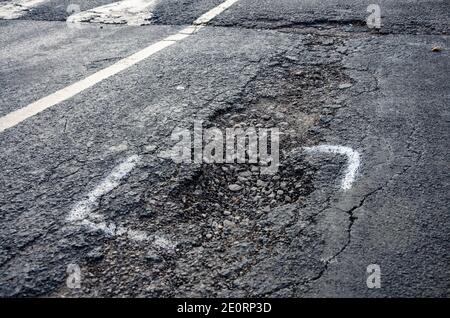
(313, 69)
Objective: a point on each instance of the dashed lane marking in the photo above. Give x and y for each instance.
(354, 161)
(17, 116)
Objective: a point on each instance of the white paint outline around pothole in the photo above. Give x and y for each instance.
(82, 213)
(354, 161)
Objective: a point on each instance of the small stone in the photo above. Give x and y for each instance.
(150, 148)
(226, 213)
(234, 187)
(228, 224)
(345, 86)
(209, 236)
(226, 273)
(255, 169)
(245, 174)
(342, 50)
(280, 192)
(261, 183)
(153, 258)
(242, 179)
(283, 185)
(95, 255)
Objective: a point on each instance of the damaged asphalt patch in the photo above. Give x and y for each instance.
(219, 238)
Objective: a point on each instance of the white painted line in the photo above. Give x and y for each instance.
(20, 115)
(211, 14)
(354, 161)
(16, 117)
(131, 12)
(15, 9)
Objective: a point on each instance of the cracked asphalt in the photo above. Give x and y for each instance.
(313, 69)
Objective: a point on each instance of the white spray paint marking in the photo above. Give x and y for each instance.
(82, 213)
(16, 117)
(82, 210)
(15, 9)
(131, 12)
(353, 156)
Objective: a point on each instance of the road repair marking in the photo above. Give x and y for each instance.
(354, 161)
(131, 12)
(17, 116)
(15, 9)
(82, 210)
(82, 214)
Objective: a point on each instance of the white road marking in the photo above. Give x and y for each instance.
(83, 209)
(17, 116)
(354, 161)
(131, 12)
(211, 14)
(82, 214)
(15, 9)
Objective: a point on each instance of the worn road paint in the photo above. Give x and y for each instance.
(131, 12)
(15, 9)
(17, 116)
(354, 161)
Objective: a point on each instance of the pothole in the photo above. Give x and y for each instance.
(229, 221)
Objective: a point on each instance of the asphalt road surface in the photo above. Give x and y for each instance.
(90, 207)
